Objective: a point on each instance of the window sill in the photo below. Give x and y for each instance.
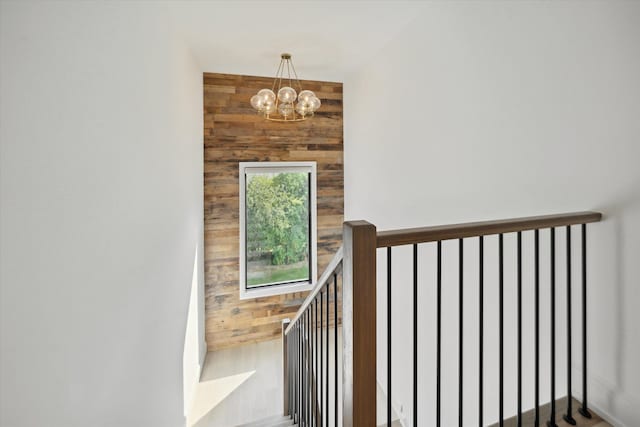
(268, 291)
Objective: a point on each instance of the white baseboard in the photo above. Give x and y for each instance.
(599, 391)
(606, 416)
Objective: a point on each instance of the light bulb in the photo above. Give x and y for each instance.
(287, 95)
(302, 109)
(269, 108)
(304, 104)
(315, 103)
(306, 95)
(267, 94)
(257, 102)
(286, 109)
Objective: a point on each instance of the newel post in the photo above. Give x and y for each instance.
(359, 325)
(285, 366)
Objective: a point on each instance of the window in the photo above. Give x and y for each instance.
(277, 228)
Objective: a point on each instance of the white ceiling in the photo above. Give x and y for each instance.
(328, 39)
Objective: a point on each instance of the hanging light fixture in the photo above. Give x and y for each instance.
(283, 103)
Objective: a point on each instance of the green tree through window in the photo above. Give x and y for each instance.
(277, 227)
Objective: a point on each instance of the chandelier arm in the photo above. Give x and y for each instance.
(290, 85)
(289, 72)
(297, 79)
(278, 73)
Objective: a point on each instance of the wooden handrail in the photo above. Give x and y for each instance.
(332, 267)
(410, 236)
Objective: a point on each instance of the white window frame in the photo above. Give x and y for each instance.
(275, 167)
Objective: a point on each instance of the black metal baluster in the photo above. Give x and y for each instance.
(321, 377)
(568, 416)
(294, 395)
(287, 372)
(460, 326)
(439, 333)
(480, 329)
(309, 356)
(327, 350)
(501, 326)
(303, 391)
(293, 370)
(310, 364)
(301, 401)
(290, 374)
(389, 336)
(536, 421)
(308, 370)
(300, 376)
(318, 378)
(584, 410)
(309, 373)
(335, 353)
(552, 415)
(415, 335)
(315, 357)
(519, 328)
(307, 325)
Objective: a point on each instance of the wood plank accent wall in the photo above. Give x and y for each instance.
(234, 133)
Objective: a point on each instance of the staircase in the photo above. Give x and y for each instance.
(275, 421)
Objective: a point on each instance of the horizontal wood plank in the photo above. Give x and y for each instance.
(234, 133)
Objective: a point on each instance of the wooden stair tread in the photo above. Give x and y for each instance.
(274, 421)
(561, 407)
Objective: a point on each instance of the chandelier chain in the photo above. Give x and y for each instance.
(296, 75)
(273, 87)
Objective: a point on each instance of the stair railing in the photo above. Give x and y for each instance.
(476, 232)
(308, 382)
(311, 353)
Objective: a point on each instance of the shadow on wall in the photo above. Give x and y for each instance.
(213, 392)
(193, 349)
(622, 213)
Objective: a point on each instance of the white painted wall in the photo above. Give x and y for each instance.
(101, 213)
(486, 110)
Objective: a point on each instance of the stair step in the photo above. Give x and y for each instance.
(395, 423)
(561, 407)
(274, 421)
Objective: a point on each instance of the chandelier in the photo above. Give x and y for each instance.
(288, 105)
